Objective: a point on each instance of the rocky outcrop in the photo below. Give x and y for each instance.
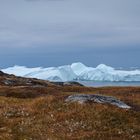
(12, 80)
(94, 98)
(2, 73)
(73, 83)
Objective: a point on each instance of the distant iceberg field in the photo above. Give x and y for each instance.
(76, 71)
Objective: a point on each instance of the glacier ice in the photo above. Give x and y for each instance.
(76, 71)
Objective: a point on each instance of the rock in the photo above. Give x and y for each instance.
(83, 98)
(2, 73)
(73, 83)
(7, 82)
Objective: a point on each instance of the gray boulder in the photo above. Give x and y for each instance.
(83, 98)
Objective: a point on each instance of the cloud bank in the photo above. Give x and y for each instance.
(56, 22)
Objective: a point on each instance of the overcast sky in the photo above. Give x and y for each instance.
(57, 32)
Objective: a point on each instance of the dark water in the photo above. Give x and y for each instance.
(103, 84)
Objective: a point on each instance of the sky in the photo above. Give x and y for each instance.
(58, 32)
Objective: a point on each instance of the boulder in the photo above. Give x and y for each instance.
(95, 98)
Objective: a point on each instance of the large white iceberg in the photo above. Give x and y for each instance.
(75, 71)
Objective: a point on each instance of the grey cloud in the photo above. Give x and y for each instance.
(97, 22)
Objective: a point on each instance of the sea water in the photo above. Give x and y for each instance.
(103, 84)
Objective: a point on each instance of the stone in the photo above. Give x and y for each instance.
(95, 98)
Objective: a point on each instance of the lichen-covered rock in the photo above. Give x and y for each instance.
(83, 98)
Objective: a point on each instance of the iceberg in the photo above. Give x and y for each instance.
(62, 73)
(76, 71)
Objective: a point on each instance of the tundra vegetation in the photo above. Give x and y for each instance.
(32, 109)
